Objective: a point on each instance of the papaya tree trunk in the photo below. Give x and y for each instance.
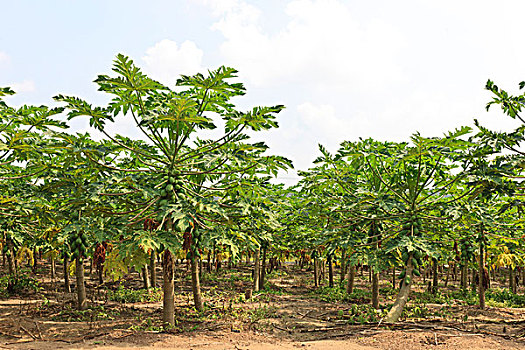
(256, 270)
(351, 278)
(343, 267)
(434, 276)
(393, 277)
(512, 280)
(152, 269)
(195, 283)
(67, 284)
(375, 290)
(145, 277)
(402, 297)
(330, 272)
(263, 269)
(168, 299)
(53, 268)
(464, 275)
(481, 285)
(316, 272)
(81, 286)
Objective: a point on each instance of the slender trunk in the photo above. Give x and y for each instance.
(481, 284)
(330, 272)
(434, 276)
(263, 269)
(351, 278)
(53, 268)
(464, 275)
(375, 290)
(81, 287)
(11, 260)
(35, 261)
(402, 297)
(195, 283)
(168, 299)
(152, 269)
(316, 272)
(473, 284)
(208, 262)
(67, 284)
(256, 270)
(394, 277)
(447, 276)
(512, 280)
(145, 277)
(343, 267)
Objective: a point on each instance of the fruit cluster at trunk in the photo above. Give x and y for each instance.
(416, 262)
(171, 189)
(412, 227)
(79, 245)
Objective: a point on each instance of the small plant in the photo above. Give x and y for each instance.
(22, 284)
(361, 314)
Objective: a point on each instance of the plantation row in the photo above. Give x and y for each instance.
(450, 204)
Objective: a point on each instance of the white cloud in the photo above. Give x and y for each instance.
(166, 61)
(322, 43)
(4, 58)
(23, 86)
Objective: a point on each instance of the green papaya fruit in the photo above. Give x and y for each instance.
(414, 262)
(416, 272)
(169, 188)
(402, 274)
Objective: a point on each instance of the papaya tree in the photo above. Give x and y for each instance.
(184, 171)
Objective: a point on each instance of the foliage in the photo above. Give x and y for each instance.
(127, 295)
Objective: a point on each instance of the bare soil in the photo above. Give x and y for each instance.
(290, 318)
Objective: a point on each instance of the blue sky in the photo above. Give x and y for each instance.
(344, 69)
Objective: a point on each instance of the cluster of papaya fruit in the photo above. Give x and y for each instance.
(415, 258)
(172, 186)
(412, 227)
(79, 245)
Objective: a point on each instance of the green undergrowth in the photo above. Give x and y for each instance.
(21, 285)
(125, 295)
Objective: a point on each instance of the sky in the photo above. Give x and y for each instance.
(343, 69)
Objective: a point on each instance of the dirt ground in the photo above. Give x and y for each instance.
(291, 319)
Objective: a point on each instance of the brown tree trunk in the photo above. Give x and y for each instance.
(394, 277)
(168, 299)
(434, 276)
(464, 275)
(152, 269)
(263, 269)
(145, 277)
(67, 284)
(330, 272)
(35, 261)
(81, 287)
(351, 278)
(316, 272)
(256, 270)
(53, 268)
(343, 267)
(473, 284)
(512, 280)
(402, 297)
(481, 284)
(195, 283)
(375, 290)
